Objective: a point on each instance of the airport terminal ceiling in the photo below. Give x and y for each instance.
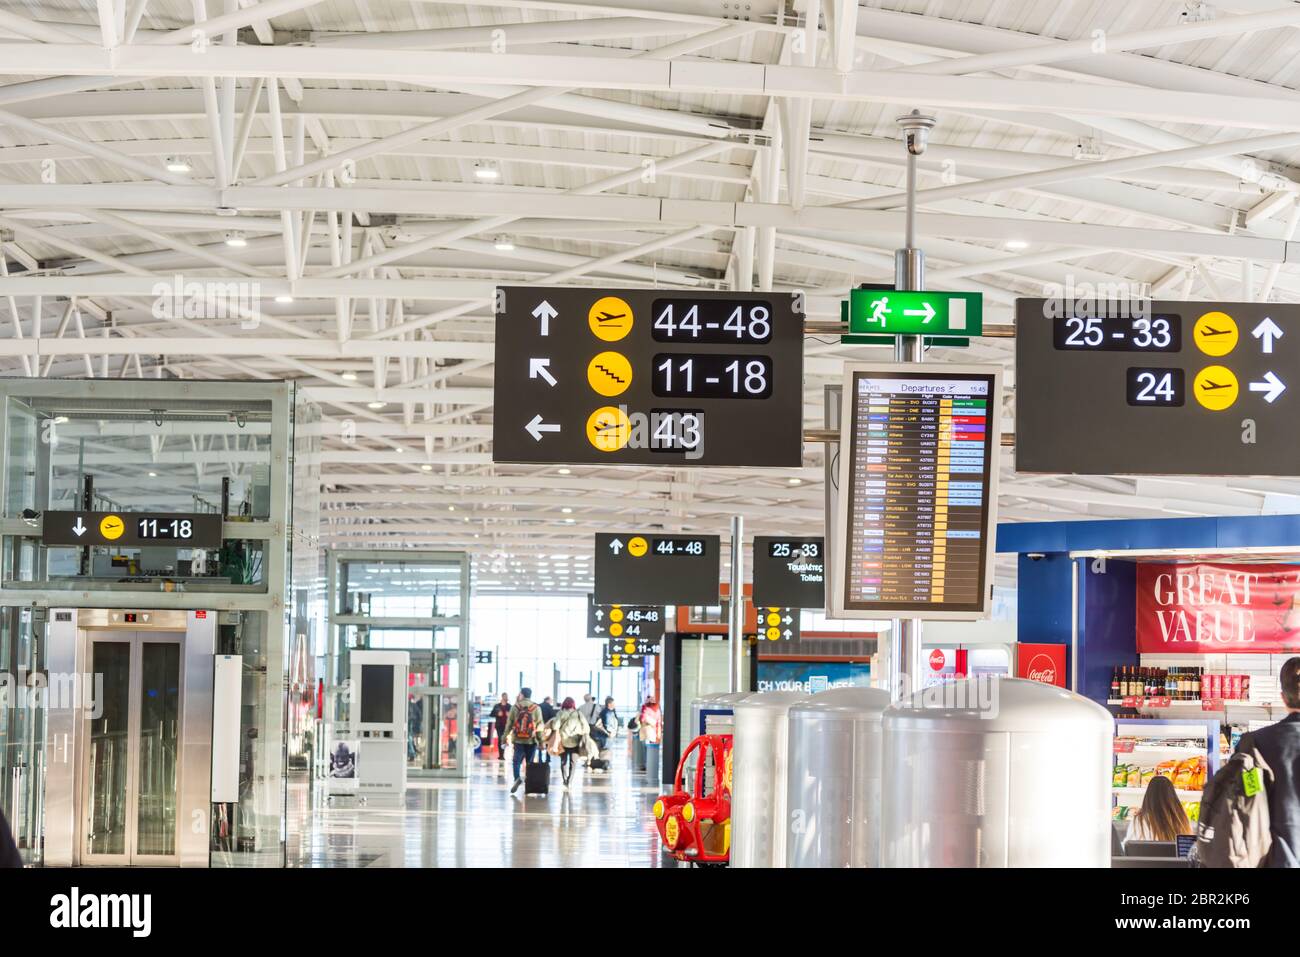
(313, 196)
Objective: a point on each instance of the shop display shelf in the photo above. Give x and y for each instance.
(1183, 794)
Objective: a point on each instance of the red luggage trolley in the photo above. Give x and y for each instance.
(695, 825)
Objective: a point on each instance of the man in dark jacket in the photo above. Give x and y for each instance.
(1279, 745)
(8, 850)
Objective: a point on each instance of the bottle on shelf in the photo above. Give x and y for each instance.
(1114, 683)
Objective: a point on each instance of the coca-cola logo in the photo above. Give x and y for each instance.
(1041, 668)
(937, 659)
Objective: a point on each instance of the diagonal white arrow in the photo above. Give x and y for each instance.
(540, 368)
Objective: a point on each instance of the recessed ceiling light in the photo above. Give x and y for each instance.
(178, 164)
(503, 244)
(795, 481)
(426, 467)
(567, 511)
(1016, 244)
(236, 239)
(375, 405)
(60, 419)
(451, 508)
(153, 474)
(285, 297)
(565, 471)
(487, 169)
(349, 376)
(569, 521)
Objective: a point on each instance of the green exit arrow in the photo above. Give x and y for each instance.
(899, 313)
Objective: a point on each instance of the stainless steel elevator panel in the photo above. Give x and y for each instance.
(758, 782)
(833, 779)
(147, 777)
(1011, 774)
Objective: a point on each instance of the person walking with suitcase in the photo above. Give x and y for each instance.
(526, 730)
(603, 729)
(500, 714)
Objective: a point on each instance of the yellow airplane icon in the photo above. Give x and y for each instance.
(1215, 387)
(1215, 333)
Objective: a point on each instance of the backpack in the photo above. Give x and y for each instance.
(1233, 830)
(525, 728)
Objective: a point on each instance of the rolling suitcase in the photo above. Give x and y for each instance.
(537, 779)
(599, 764)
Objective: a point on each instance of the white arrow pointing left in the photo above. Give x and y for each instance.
(540, 368)
(79, 529)
(1266, 332)
(536, 427)
(1272, 387)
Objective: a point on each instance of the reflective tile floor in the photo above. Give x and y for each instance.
(604, 820)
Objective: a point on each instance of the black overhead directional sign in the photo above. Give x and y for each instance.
(648, 377)
(790, 571)
(777, 624)
(132, 529)
(656, 569)
(637, 647)
(644, 622)
(616, 659)
(1157, 387)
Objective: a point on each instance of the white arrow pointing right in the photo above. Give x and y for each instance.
(541, 368)
(928, 312)
(1272, 386)
(1266, 332)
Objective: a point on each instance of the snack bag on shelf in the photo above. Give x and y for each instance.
(1119, 778)
(1193, 810)
(1134, 776)
(1147, 775)
(1166, 768)
(1183, 774)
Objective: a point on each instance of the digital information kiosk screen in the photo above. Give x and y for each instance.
(918, 491)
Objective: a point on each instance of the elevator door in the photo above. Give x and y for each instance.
(131, 758)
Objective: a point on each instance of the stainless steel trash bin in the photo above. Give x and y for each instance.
(833, 779)
(996, 772)
(758, 784)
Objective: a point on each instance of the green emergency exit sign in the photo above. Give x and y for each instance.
(898, 313)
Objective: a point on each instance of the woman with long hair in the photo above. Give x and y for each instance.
(1162, 817)
(569, 728)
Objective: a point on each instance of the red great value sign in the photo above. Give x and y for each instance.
(1216, 609)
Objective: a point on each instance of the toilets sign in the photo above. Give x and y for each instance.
(1216, 609)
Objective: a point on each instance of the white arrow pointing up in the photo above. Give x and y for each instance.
(599, 614)
(540, 368)
(545, 312)
(79, 529)
(1272, 387)
(536, 427)
(1266, 332)
(928, 312)
(616, 546)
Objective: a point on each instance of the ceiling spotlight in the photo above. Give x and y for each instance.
(487, 169)
(451, 508)
(565, 471)
(284, 297)
(178, 164)
(795, 481)
(375, 405)
(60, 419)
(567, 511)
(153, 474)
(503, 244)
(1016, 244)
(236, 240)
(426, 468)
(349, 377)
(570, 521)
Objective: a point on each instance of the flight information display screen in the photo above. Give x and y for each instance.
(920, 476)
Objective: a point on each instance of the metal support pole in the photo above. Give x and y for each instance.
(909, 274)
(736, 608)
